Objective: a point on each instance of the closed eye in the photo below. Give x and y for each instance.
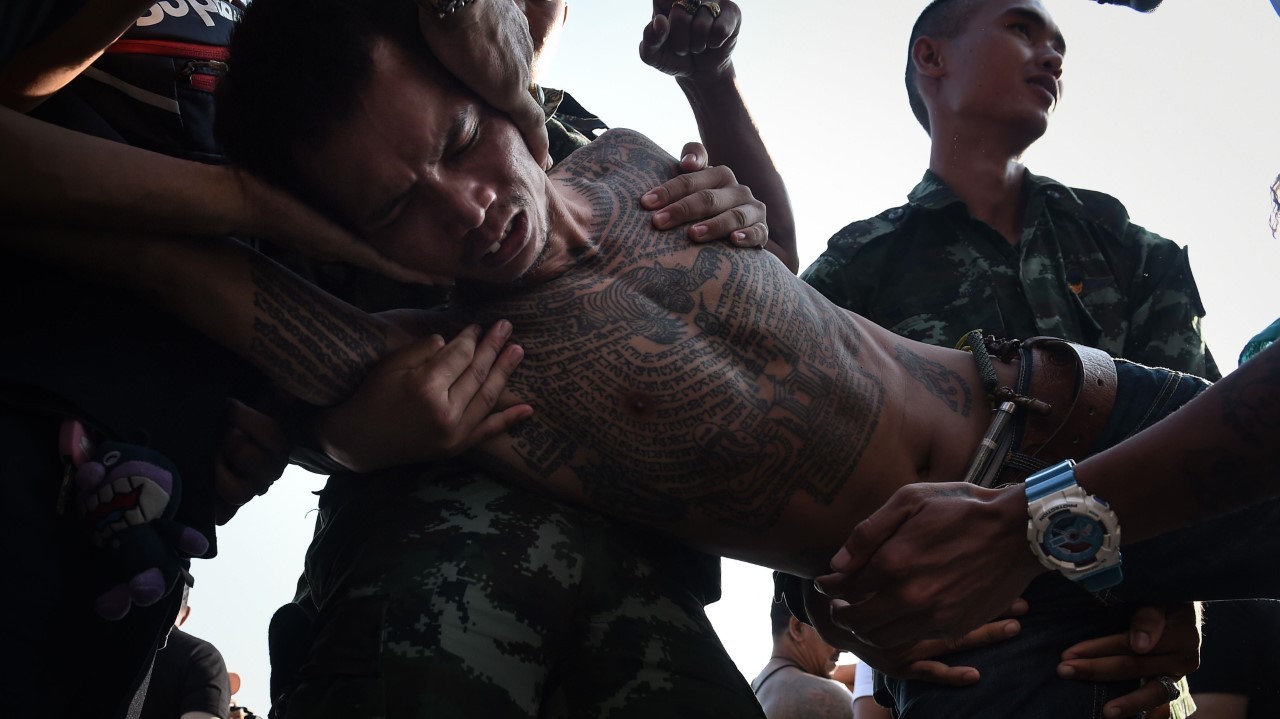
(462, 133)
(387, 216)
(468, 141)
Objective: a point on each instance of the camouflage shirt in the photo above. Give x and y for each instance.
(569, 125)
(1082, 271)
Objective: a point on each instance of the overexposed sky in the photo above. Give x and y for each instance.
(1175, 113)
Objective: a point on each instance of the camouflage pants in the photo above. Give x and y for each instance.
(460, 597)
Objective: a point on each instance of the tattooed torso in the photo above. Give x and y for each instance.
(700, 389)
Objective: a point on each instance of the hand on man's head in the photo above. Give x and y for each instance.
(464, 41)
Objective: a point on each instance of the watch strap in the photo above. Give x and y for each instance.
(1058, 478)
(1104, 578)
(1051, 479)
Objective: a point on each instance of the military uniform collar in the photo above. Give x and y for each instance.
(933, 193)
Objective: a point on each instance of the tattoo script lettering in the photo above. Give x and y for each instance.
(311, 345)
(944, 383)
(668, 376)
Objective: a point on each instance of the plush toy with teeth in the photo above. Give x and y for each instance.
(129, 496)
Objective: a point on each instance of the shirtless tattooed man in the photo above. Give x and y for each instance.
(699, 390)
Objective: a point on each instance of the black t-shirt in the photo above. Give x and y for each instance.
(188, 676)
(1240, 654)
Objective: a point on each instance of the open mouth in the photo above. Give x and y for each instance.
(511, 243)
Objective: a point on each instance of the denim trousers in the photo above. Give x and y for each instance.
(1019, 676)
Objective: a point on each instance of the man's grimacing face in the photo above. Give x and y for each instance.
(1006, 64)
(432, 177)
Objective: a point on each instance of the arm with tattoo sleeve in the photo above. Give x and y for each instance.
(1227, 444)
(312, 345)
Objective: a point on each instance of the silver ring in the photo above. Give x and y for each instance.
(1171, 687)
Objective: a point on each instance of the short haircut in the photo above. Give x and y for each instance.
(780, 617)
(941, 19)
(296, 70)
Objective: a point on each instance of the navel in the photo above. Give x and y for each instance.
(637, 403)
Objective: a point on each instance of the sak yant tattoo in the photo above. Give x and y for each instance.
(315, 348)
(669, 380)
(668, 376)
(944, 383)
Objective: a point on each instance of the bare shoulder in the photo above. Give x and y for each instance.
(806, 695)
(613, 173)
(617, 154)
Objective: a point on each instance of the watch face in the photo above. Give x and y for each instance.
(1074, 538)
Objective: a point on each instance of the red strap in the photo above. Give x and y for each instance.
(169, 48)
(200, 81)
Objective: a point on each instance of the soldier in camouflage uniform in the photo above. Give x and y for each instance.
(1065, 263)
(1061, 262)
(451, 594)
(1081, 271)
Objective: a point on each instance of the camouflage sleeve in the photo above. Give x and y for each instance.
(1166, 311)
(827, 275)
(836, 275)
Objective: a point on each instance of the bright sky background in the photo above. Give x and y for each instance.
(1174, 113)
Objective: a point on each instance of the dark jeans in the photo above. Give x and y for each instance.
(1019, 676)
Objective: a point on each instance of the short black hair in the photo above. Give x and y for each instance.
(942, 19)
(296, 69)
(780, 617)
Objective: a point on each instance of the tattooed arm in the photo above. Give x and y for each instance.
(313, 346)
(1228, 450)
(1218, 453)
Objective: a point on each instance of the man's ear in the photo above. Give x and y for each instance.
(927, 56)
(795, 628)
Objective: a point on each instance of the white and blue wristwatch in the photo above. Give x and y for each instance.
(1070, 531)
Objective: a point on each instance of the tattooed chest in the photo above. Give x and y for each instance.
(697, 379)
(667, 376)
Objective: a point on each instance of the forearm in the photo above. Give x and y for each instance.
(310, 344)
(55, 176)
(731, 137)
(1216, 454)
(46, 67)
